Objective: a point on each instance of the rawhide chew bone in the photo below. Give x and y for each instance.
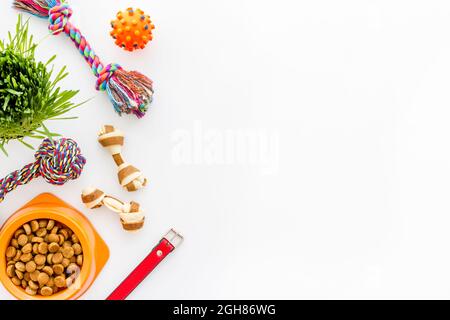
(131, 215)
(129, 91)
(130, 178)
(56, 161)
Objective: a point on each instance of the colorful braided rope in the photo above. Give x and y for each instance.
(129, 92)
(56, 161)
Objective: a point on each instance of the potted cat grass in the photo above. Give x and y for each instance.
(29, 93)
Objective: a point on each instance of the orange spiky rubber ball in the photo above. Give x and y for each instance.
(132, 29)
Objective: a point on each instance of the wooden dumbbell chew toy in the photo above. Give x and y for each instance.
(131, 215)
(130, 178)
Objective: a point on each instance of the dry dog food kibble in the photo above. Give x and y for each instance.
(44, 257)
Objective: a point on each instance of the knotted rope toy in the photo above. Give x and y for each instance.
(129, 91)
(56, 161)
(130, 178)
(131, 215)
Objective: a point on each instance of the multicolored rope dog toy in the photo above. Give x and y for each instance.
(129, 91)
(56, 161)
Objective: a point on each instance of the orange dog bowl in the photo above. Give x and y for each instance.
(47, 206)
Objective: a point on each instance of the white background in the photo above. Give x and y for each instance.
(358, 94)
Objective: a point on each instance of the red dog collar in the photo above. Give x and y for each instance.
(167, 244)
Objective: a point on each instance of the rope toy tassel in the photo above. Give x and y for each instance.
(56, 161)
(129, 91)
